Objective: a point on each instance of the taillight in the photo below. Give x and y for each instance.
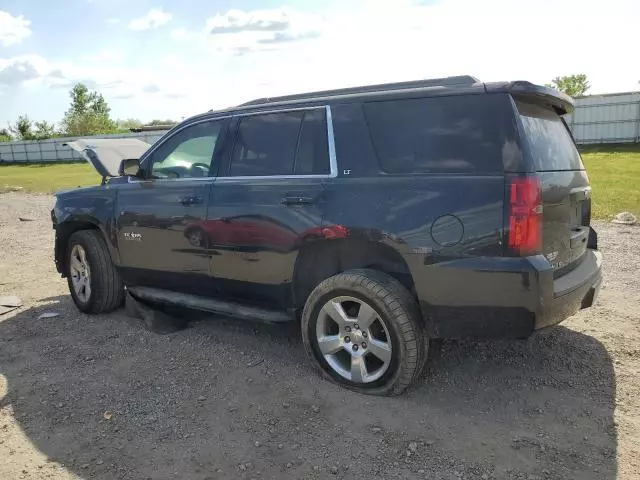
(525, 216)
(335, 231)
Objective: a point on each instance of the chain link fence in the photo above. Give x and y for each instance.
(53, 149)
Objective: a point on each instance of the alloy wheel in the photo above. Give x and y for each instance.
(80, 273)
(353, 339)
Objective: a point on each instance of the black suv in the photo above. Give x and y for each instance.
(379, 217)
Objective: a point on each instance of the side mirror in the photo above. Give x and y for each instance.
(129, 167)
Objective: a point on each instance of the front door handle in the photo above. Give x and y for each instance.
(297, 200)
(190, 200)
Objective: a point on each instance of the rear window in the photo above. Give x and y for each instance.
(456, 134)
(550, 144)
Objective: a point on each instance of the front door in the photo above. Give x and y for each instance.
(160, 217)
(266, 203)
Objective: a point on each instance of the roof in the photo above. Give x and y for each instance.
(457, 85)
(457, 81)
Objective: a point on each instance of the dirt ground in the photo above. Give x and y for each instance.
(101, 397)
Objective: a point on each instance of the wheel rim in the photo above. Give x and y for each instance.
(353, 339)
(195, 238)
(80, 273)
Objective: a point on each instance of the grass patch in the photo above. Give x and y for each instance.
(614, 171)
(47, 177)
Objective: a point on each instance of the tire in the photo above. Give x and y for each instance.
(106, 290)
(393, 347)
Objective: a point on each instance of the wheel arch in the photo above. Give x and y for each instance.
(64, 231)
(322, 259)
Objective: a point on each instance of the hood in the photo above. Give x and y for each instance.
(105, 154)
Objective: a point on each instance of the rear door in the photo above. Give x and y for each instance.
(566, 194)
(266, 202)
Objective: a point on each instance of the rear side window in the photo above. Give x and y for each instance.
(286, 143)
(266, 144)
(550, 144)
(456, 134)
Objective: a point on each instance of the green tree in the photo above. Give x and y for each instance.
(128, 123)
(156, 122)
(88, 113)
(573, 85)
(23, 129)
(44, 130)
(5, 135)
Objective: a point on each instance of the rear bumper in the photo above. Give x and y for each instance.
(502, 297)
(572, 292)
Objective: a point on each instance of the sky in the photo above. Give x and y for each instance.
(173, 59)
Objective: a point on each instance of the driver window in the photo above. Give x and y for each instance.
(188, 153)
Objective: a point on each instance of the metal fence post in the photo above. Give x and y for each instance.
(638, 121)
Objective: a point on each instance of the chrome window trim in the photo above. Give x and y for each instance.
(278, 110)
(269, 177)
(165, 180)
(333, 163)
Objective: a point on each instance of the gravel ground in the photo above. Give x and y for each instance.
(101, 397)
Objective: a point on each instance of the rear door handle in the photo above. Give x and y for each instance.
(297, 200)
(190, 200)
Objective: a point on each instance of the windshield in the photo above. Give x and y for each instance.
(550, 144)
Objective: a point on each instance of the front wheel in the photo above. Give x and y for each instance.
(94, 281)
(362, 329)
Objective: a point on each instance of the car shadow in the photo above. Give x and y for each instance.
(105, 398)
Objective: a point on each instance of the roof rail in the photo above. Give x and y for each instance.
(432, 82)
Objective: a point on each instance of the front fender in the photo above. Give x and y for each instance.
(90, 208)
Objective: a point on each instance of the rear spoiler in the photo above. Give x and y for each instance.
(559, 101)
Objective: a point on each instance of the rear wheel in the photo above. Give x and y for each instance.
(362, 329)
(94, 281)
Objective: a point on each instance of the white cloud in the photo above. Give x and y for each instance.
(106, 55)
(493, 40)
(156, 17)
(286, 37)
(24, 68)
(179, 34)
(235, 21)
(151, 88)
(238, 32)
(288, 51)
(13, 29)
(250, 55)
(36, 70)
(17, 72)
